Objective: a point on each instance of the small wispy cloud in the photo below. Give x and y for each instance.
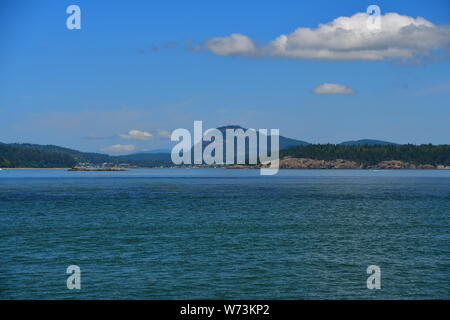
(137, 135)
(144, 135)
(440, 88)
(170, 45)
(153, 48)
(332, 88)
(234, 44)
(163, 133)
(119, 148)
(97, 137)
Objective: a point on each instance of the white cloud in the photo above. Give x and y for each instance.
(234, 44)
(332, 88)
(145, 135)
(164, 133)
(119, 148)
(137, 135)
(345, 38)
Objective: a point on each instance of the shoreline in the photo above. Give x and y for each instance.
(33, 168)
(235, 168)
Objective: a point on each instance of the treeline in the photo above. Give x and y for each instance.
(374, 154)
(48, 156)
(33, 156)
(26, 155)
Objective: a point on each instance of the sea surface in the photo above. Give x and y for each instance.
(225, 234)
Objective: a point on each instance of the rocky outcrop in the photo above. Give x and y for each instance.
(305, 163)
(95, 169)
(398, 164)
(393, 164)
(240, 166)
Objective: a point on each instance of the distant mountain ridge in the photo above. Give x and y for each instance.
(17, 155)
(367, 142)
(156, 151)
(284, 142)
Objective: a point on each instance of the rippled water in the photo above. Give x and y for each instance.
(222, 234)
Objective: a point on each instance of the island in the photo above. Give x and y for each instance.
(91, 167)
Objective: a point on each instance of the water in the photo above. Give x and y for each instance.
(225, 234)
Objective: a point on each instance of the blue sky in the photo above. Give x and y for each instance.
(128, 69)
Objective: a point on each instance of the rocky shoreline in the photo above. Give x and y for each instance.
(96, 169)
(306, 163)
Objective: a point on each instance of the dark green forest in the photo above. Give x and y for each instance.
(373, 154)
(34, 156)
(25, 155)
(48, 156)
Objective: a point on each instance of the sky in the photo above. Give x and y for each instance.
(137, 70)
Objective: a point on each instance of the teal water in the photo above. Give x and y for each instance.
(225, 234)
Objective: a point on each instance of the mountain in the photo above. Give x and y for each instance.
(284, 143)
(366, 142)
(156, 151)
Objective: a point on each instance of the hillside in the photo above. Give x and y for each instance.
(366, 142)
(368, 155)
(35, 156)
(26, 155)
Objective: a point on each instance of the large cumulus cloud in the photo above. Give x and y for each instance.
(345, 38)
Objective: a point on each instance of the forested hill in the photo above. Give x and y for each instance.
(34, 156)
(25, 155)
(373, 154)
(48, 156)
